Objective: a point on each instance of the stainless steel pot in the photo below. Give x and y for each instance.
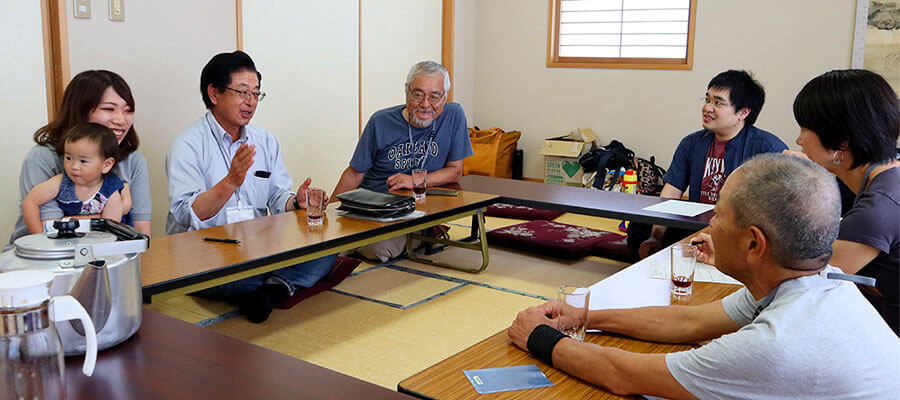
(109, 287)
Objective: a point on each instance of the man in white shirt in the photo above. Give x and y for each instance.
(796, 330)
(223, 170)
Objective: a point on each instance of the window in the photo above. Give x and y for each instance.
(653, 34)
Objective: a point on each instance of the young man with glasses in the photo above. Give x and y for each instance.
(705, 158)
(426, 132)
(223, 170)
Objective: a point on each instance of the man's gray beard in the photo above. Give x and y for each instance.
(419, 123)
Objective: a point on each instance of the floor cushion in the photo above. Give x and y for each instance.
(556, 239)
(340, 270)
(503, 210)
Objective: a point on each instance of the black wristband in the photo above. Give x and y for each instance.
(296, 203)
(542, 340)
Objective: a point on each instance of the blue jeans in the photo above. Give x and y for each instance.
(304, 274)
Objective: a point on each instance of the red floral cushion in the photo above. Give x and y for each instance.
(503, 210)
(340, 270)
(556, 239)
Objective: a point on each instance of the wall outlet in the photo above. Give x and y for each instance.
(82, 8)
(117, 10)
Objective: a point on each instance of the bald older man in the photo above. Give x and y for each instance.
(793, 331)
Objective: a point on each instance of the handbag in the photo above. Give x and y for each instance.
(493, 152)
(649, 175)
(612, 157)
(374, 204)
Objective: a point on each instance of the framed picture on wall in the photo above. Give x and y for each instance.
(876, 44)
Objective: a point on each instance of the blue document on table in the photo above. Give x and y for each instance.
(504, 379)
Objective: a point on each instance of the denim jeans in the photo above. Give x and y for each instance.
(304, 274)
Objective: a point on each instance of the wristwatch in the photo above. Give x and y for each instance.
(296, 203)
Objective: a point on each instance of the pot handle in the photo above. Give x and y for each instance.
(64, 308)
(85, 253)
(122, 231)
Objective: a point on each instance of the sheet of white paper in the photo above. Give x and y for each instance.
(679, 207)
(658, 267)
(414, 214)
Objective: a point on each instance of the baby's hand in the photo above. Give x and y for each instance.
(126, 199)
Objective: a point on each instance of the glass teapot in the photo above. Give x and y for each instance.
(31, 354)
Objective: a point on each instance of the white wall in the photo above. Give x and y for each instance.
(23, 97)
(159, 49)
(395, 35)
(464, 62)
(785, 43)
(311, 84)
(500, 73)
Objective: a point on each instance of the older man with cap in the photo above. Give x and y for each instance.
(797, 329)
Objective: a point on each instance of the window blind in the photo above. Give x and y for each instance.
(624, 28)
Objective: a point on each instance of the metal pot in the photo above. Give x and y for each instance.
(98, 263)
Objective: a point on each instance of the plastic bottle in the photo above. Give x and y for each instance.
(629, 183)
(620, 178)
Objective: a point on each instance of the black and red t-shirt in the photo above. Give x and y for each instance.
(713, 172)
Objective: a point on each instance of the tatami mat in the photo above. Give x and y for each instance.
(192, 309)
(610, 225)
(380, 344)
(522, 271)
(388, 321)
(393, 288)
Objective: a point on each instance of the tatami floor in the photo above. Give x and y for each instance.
(388, 321)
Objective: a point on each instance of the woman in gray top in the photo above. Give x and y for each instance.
(849, 123)
(101, 97)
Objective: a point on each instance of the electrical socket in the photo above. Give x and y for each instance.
(117, 10)
(82, 8)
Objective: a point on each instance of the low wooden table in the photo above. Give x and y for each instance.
(625, 289)
(598, 203)
(171, 359)
(184, 263)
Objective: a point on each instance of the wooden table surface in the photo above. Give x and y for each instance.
(171, 359)
(628, 288)
(616, 205)
(181, 260)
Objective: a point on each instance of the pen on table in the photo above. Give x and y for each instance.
(212, 239)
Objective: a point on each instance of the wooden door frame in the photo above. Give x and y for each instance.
(56, 52)
(448, 12)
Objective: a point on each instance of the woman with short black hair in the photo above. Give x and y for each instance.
(849, 123)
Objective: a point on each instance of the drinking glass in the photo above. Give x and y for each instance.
(419, 180)
(684, 263)
(573, 302)
(315, 207)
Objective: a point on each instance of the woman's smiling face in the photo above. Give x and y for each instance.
(114, 113)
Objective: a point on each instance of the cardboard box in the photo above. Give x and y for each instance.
(561, 156)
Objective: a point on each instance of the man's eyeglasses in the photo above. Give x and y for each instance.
(715, 103)
(433, 98)
(247, 95)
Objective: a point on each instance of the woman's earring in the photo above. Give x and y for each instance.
(835, 159)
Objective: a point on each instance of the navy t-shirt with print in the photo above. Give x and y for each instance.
(385, 147)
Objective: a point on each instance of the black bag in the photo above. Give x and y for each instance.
(613, 157)
(373, 204)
